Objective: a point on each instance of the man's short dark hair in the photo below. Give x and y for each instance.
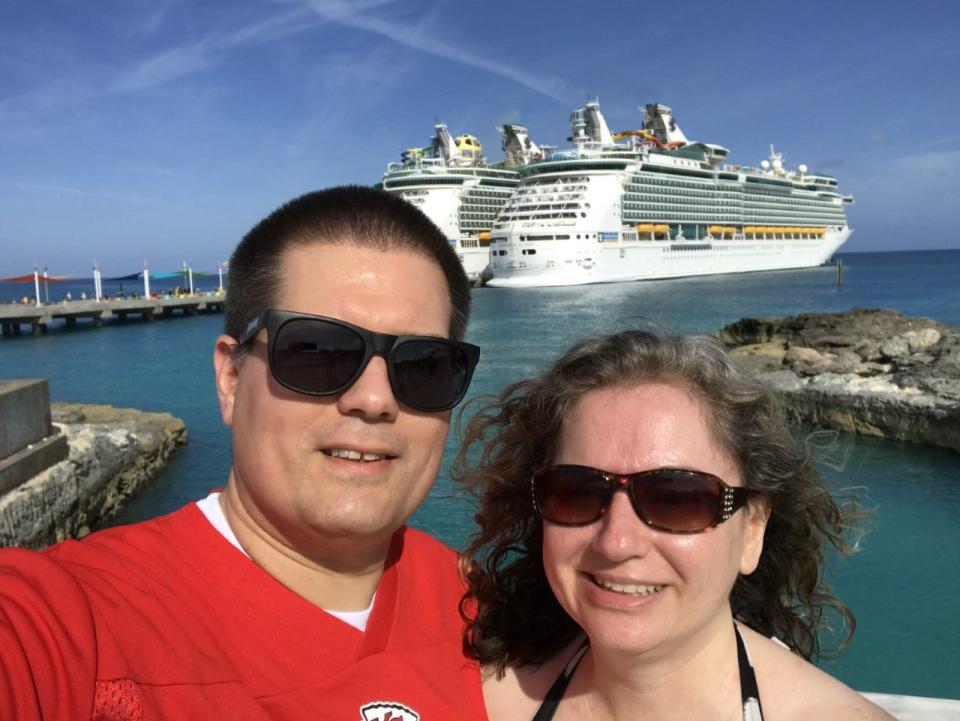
(349, 215)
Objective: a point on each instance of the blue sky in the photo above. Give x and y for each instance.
(164, 129)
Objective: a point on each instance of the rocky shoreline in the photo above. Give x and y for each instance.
(866, 371)
(114, 452)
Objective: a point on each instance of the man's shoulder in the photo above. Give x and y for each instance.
(429, 565)
(423, 543)
(127, 543)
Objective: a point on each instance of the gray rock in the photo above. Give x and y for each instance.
(868, 349)
(896, 347)
(806, 360)
(846, 362)
(874, 372)
(920, 340)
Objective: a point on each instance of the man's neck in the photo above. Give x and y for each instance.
(334, 574)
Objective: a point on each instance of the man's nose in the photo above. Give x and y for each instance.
(371, 395)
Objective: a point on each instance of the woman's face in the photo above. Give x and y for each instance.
(630, 587)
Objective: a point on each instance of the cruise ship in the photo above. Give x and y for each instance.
(648, 203)
(451, 183)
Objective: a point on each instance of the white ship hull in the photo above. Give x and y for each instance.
(583, 262)
(476, 261)
(442, 205)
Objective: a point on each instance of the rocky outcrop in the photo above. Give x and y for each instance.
(874, 372)
(113, 453)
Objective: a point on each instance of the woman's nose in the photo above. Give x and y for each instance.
(620, 533)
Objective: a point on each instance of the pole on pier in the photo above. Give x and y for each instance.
(46, 287)
(220, 274)
(36, 284)
(190, 276)
(146, 280)
(97, 285)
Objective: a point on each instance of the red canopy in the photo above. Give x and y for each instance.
(29, 279)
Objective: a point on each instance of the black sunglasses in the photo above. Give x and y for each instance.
(321, 356)
(667, 499)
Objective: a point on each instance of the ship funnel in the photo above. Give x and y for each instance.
(517, 146)
(658, 119)
(597, 125)
(441, 144)
(578, 126)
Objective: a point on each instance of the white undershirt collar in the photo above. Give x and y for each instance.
(210, 507)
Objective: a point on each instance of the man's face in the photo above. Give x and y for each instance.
(292, 464)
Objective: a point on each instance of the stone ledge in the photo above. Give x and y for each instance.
(113, 453)
(917, 708)
(32, 460)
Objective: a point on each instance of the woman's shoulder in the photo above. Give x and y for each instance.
(793, 689)
(519, 691)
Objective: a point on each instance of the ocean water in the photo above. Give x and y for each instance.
(902, 585)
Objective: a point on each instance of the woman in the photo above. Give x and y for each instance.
(660, 601)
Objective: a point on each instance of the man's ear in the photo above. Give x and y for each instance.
(227, 371)
(758, 513)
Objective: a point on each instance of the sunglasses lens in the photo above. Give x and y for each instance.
(571, 495)
(314, 356)
(429, 375)
(677, 502)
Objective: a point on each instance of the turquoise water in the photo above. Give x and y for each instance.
(903, 585)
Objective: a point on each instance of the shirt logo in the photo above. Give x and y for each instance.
(387, 711)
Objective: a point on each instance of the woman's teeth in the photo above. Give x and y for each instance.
(354, 455)
(629, 589)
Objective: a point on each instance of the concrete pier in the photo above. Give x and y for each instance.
(37, 318)
(29, 443)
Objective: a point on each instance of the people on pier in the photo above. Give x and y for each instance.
(297, 591)
(647, 524)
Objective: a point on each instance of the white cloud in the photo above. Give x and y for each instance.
(186, 60)
(421, 39)
(919, 189)
(56, 189)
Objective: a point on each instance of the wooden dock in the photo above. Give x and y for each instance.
(37, 318)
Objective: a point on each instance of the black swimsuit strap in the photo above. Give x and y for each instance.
(749, 692)
(550, 702)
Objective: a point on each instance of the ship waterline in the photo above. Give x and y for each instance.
(612, 262)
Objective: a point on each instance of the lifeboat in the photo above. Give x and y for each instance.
(653, 229)
(720, 230)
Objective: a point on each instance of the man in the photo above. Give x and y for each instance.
(297, 592)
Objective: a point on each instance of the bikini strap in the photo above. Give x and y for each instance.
(550, 702)
(749, 691)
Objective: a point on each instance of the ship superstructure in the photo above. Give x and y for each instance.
(649, 203)
(450, 181)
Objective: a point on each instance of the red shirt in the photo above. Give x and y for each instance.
(166, 620)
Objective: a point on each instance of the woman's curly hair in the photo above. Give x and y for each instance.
(513, 617)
